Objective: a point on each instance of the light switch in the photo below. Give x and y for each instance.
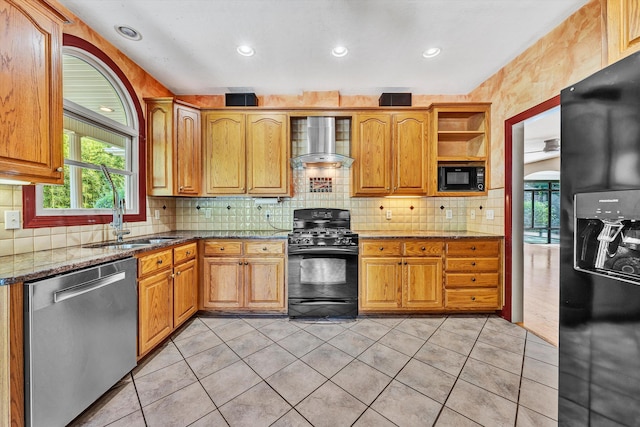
(489, 214)
(156, 214)
(448, 214)
(388, 213)
(11, 220)
(473, 214)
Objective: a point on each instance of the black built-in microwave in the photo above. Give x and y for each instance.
(461, 178)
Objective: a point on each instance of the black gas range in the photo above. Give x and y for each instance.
(323, 264)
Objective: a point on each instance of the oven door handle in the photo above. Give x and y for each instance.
(323, 302)
(323, 250)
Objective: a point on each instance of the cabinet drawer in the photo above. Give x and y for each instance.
(471, 280)
(382, 248)
(265, 247)
(184, 253)
(478, 298)
(218, 248)
(417, 248)
(474, 248)
(155, 262)
(472, 264)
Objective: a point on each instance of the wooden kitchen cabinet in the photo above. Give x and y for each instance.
(167, 293)
(398, 275)
(31, 92)
(390, 150)
(243, 275)
(623, 28)
(459, 137)
(473, 274)
(173, 148)
(246, 153)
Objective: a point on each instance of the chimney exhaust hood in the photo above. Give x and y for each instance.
(320, 149)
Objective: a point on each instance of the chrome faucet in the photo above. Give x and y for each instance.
(118, 208)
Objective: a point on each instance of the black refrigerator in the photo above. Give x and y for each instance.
(599, 346)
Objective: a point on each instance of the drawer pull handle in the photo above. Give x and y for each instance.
(159, 261)
(178, 273)
(246, 263)
(264, 249)
(473, 248)
(240, 263)
(222, 248)
(400, 263)
(381, 248)
(473, 298)
(473, 279)
(188, 253)
(473, 264)
(423, 248)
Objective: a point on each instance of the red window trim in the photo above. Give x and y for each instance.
(30, 220)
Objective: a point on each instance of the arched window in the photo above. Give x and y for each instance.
(102, 123)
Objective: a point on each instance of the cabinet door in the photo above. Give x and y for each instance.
(623, 28)
(264, 279)
(268, 154)
(160, 147)
(380, 286)
(30, 93)
(185, 292)
(410, 154)
(422, 283)
(187, 150)
(223, 282)
(371, 171)
(155, 310)
(224, 154)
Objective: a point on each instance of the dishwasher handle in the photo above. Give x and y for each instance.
(75, 291)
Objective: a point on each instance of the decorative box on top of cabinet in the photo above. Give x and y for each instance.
(173, 148)
(246, 153)
(31, 92)
(460, 137)
(390, 151)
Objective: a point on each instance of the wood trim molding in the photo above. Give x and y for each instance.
(508, 195)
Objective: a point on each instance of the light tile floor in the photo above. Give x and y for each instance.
(405, 371)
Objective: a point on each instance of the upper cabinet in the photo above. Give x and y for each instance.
(173, 148)
(31, 92)
(623, 28)
(390, 151)
(246, 153)
(460, 138)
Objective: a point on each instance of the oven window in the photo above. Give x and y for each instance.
(323, 271)
(457, 178)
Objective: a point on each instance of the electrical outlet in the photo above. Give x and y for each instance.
(448, 214)
(207, 213)
(11, 220)
(473, 214)
(489, 214)
(156, 214)
(388, 215)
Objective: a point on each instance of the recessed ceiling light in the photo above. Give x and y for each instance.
(339, 51)
(106, 109)
(128, 33)
(431, 52)
(245, 50)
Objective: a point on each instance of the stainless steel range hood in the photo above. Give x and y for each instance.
(320, 149)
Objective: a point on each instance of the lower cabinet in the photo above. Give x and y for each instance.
(399, 275)
(243, 275)
(392, 281)
(167, 293)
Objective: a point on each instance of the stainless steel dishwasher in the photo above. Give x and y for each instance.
(80, 339)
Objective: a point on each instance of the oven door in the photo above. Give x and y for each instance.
(323, 282)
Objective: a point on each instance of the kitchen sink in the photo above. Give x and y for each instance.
(131, 244)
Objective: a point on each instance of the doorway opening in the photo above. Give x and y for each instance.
(532, 186)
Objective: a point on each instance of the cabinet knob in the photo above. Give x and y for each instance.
(405, 263)
(395, 188)
(400, 263)
(381, 248)
(473, 298)
(246, 263)
(178, 273)
(387, 188)
(473, 248)
(59, 169)
(473, 279)
(240, 263)
(264, 248)
(188, 253)
(423, 248)
(159, 261)
(181, 188)
(172, 276)
(222, 248)
(473, 264)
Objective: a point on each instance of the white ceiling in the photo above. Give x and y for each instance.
(190, 45)
(538, 129)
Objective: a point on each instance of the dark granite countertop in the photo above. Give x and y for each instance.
(38, 265)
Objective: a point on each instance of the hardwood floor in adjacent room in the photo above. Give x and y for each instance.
(541, 290)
